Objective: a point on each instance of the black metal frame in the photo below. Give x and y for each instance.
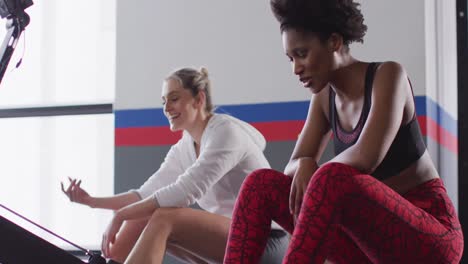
(20, 246)
(462, 54)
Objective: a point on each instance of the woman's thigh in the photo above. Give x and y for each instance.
(386, 226)
(391, 228)
(201, 233)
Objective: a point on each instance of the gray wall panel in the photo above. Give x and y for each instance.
(133, 165)
(278, 153)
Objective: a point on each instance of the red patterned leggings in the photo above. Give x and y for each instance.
(346, 217)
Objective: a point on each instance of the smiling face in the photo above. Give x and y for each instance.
(312, 59)
(180, 106)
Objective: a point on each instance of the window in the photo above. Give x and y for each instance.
(68, 67)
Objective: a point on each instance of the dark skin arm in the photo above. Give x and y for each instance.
(309, 148)
(384, 120)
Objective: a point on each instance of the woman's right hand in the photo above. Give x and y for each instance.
(75, 193)
(305, 169)
(110, 234)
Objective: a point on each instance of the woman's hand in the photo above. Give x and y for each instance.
(75, 193)
(306, 168)
(109, 236)
(141, 209)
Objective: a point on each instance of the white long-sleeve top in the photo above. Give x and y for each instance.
(230, 149)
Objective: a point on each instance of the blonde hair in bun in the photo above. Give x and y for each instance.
(195, 81)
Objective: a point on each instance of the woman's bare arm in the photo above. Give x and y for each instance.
(314, 135)
(385, 118)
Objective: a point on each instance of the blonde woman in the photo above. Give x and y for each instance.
(207, 166)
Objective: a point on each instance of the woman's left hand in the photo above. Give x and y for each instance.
(109, 236)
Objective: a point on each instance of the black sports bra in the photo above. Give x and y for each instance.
(407, 147)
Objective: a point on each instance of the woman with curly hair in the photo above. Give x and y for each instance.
(380, 199)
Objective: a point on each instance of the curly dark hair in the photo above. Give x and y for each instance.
(322, 17)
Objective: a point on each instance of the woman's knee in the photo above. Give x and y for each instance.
(340, 179)
(127, 238)
(163, 218)
(260, 176)
(336, 169)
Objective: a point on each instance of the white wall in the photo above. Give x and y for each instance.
(237, 40)
(240, 44)
(395, 32)
(441, 54)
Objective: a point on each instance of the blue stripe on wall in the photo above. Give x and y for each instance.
(265, 112)
(268, 112)
(426, 106)
(140, 118)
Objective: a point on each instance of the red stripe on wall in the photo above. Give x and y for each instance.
(146, 136)
(155, 136)
(273, 131)
(431, 129)
(280, 131)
